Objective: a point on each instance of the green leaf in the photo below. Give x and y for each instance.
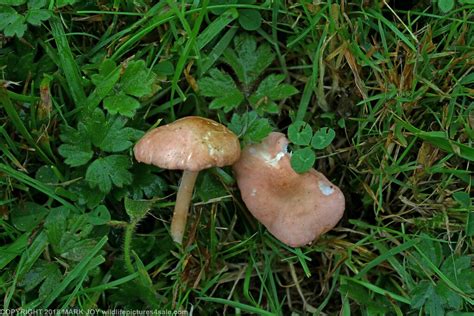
(300, 133)
(302, 159)
(55, 226)
(247, 60)
(12, 2)
(28, 215)
(219, 11)
(145, 183)
(11, 251)
(445, 5)
(52, 280)
(270, 90)
(36, 4)
(137, 209)
(250, 127)
(77, 147)
(209, 187)
(420, 294)
(121, 104)
(250, 19)
(109, 134)
(86, 195)
(323, 138)
(138, 79)
(12, 23)
(463, 198)
(99, 216)
(449, 298)
(36, 16)
(104, 172)
(222, 87)
(63, 3)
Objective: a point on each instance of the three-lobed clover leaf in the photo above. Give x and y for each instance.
(300, 133)
(323, 138)
(302, 159)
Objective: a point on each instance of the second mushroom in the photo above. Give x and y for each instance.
(190, 144)
(295, 208)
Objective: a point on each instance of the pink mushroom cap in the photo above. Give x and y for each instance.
(295, 208)
(192, 143)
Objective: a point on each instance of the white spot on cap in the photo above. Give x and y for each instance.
(326, 189)
(254, 192)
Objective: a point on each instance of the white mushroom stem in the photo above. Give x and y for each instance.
(183, 199)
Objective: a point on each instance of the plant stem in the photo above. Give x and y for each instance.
(183, 199)
(127, 246)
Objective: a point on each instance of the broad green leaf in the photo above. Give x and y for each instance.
(12, 2)
(105, 69)
(37, 4)
(138, 79)
(221, 86)
(109, 134)
(137, 209)
(271, 89)
(463, 198)
(86, 195)
(250, 127)
(247, 60)
(63, 3)
(421, 294)
(300, 133)
(448, 297)
(108, 171)
(46, 175)
(209, 187)
(99, 216)
(11, 251)
(55, 226)
(36, 16)
(12, 23)
(445, 5)
(52, 280)
(323, 138)
(219, 11)
(302, 159)
(250, 19)
(145, 183)
(122, 104)
(26, 216)
(77, 147)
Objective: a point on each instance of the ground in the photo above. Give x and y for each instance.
(376, 95)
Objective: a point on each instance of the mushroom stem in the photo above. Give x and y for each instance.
(185, 194)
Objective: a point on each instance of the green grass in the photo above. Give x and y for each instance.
(395, 83)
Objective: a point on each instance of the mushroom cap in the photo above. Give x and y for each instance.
(295, 208)
(192, 143)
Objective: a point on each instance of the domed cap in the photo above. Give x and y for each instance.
(192, 143)
(295, 208)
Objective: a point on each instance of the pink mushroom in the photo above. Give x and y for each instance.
(190, 144)
(295, 208)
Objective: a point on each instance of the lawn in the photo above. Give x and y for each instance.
(376, 95)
